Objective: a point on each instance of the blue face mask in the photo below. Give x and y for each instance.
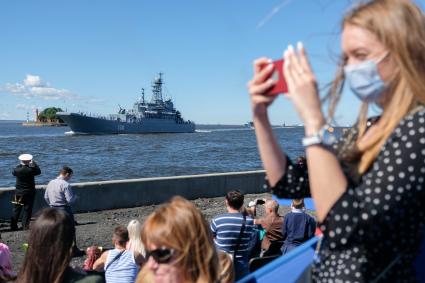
(364, 79)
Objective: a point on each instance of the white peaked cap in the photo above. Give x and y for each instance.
(251, 203)
(25, 157)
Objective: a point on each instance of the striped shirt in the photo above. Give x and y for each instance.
(226, 229)
(122, 270)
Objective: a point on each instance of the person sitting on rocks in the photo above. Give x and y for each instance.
(298, 226)
(234, 232)
(6, 272)
(49, 251)
(119, 264)
(272, 222)
(135, 243)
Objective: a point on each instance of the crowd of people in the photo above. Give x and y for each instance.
(367, 185)
(174, 244)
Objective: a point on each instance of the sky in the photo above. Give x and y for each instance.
(92, 56)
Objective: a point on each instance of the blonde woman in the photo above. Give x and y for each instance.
(368, 187)
(135, 243)
(179, 245)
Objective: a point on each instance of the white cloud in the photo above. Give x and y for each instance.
(273, 12)
(4, 115)
(34, 87)
(14, 88)
(32, 80)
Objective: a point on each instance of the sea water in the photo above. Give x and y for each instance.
(211, 149)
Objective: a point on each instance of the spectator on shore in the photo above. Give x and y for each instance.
(251, 209)
(368, 184)
(119, 264)
(25, 191)
(49, 251)
(234, 232)
(272, 222)
(298, 226)
(135, 243)
(6, 272)
(179, 245)
(59, 195)
(93, 253)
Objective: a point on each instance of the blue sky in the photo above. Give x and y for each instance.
(93, 55)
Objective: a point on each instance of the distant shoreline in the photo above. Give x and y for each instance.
(43, 124)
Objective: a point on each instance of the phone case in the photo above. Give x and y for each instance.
(280, 86)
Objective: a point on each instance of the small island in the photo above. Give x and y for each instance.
(47, 117)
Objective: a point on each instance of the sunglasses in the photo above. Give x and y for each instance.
(161, 255)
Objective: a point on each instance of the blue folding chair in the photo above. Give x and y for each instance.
(420, 263)
(286, 268)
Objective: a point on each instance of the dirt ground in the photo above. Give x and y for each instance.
(95, 228)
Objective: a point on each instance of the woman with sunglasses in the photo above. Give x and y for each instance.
(368, 187)
(179, 245)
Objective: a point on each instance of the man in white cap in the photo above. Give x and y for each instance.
(25, 191)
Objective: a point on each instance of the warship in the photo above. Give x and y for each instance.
(156, 116)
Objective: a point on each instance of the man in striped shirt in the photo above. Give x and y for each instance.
(234, 232)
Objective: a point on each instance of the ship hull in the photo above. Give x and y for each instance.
(81, 124)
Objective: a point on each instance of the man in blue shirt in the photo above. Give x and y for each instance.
(298, 226)
(234, 231)
(59, 195)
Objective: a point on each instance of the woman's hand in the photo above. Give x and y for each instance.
(302, 88)
(260, 85)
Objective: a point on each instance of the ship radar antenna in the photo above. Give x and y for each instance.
(157, 89)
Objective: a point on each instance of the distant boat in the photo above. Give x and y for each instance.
(249, 125)
(288, 126)
(156, 116)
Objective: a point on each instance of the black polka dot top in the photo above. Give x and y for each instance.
(373, 232)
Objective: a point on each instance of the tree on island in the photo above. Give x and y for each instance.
(49, 115)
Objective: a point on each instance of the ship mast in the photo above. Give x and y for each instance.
(157, 89)
(143, 95)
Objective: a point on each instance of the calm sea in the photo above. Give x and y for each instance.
(212, 149)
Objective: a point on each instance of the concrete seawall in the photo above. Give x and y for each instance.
(94, 196)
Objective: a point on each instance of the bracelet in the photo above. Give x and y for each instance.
(323, 137)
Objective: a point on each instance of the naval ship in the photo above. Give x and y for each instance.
(156, 116)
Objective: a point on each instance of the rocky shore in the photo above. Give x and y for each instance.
(95, 228)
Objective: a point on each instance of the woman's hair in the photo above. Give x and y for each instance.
(135, 243)
(49, 248)
(179, 225)
(400, 26)
(227, 274)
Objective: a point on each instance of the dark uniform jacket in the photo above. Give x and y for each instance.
(25, 183)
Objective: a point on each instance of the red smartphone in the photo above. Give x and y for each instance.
(277, 75)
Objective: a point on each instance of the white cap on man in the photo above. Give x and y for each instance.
(25, 157)
(251, 203)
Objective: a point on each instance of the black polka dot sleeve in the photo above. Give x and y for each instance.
(293, 184)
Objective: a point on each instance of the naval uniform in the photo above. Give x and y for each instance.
(24, 194)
